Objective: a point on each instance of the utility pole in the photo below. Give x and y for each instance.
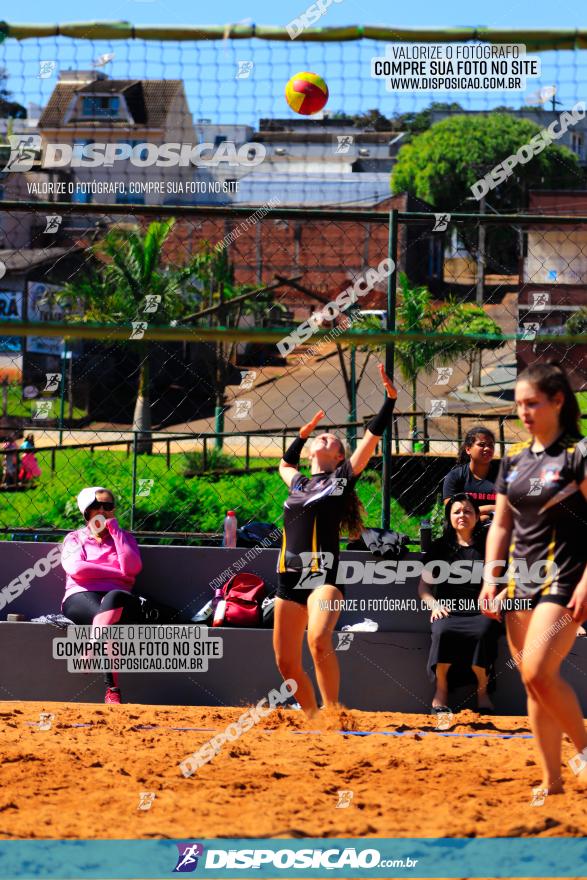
(476, 381)
(5, 396)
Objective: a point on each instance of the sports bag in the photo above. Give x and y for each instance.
(258, 534)
(244, 594)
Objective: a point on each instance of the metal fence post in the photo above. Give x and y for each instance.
(352, 416)
(62, 391)
(501, 436)
(389, 358)
(134, 480)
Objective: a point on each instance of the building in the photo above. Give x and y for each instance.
(554, 283)
(328, 145)
(315, 162)
(315, 258)
(86, 107)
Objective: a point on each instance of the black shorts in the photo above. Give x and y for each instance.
(287, 581)
(530, 600)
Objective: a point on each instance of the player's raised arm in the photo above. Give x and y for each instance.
(365, 448)
(288, 466)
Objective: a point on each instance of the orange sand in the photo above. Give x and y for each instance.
(85, 782)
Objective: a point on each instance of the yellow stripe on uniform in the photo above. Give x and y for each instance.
(551, 580)
(512, 581)
(281, 564)
(315, 547)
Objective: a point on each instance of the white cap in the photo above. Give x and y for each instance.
(88, 496)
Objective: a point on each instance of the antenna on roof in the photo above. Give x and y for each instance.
(102, 60)
(540, 97)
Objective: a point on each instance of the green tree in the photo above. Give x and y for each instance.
(577, 323)
(416, 313)
(224, 304)
(441, 164)
(373, 119)
(420, 120)
(413, 121)
(472, 319)
(125, 278)
(355, 321)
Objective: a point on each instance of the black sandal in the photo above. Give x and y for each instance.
(439, 710)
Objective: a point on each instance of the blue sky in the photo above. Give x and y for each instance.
(499, 13)
(208, 69)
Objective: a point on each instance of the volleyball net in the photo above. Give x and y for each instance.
(189, 269)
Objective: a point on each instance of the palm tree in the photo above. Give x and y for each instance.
(224, 305)
(472, 319)
(351, 381)
(416, 313)
(124, 284)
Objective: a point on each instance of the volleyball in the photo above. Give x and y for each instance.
(306, 93)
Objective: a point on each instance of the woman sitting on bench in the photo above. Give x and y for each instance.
(101, 562)
(462, 637)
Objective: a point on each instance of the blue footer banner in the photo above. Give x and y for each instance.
(311, 857)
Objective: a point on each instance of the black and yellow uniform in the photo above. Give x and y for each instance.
(550, 518)
(311, 532)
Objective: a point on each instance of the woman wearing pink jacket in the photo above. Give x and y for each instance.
(101, 562)
(29, 466)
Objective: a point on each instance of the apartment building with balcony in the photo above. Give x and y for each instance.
(86, 107)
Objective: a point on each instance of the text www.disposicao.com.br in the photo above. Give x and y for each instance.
(135, 664)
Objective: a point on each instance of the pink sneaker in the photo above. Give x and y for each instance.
(112, 695)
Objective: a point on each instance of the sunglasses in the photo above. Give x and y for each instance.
(102, 505)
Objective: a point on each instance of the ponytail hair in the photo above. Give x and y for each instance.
(550, 378)
(353, 513)
(470, 437)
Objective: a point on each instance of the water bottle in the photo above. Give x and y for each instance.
(219, 613)
(209, 608)
(230, 527)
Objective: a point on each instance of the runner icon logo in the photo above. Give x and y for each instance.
(187, 860)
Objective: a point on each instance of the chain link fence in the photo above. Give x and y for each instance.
(189, 269)
(172, 361)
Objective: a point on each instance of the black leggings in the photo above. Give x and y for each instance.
(123, 607)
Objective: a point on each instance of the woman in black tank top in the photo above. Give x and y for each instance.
(309, 594)
(541, 513)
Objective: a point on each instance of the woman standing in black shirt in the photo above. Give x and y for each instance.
(475, 471)
(542, 510)
(461, 636)
(308, 594)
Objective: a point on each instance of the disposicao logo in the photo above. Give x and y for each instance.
(187, 860)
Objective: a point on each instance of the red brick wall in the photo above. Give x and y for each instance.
(326, 254)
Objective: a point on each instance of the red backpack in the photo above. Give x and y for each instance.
(244, 594)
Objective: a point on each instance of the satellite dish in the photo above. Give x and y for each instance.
(541, 96)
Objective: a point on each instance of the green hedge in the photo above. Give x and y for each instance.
(173, 502)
